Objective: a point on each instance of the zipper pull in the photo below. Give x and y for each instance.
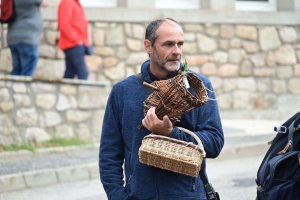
(286, 148)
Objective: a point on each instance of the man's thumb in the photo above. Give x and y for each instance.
(166, 119)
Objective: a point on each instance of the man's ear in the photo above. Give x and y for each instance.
(148, 46)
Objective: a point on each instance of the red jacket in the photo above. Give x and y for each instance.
(72, 24)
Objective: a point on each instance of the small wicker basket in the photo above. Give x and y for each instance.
(171, 97)
(172, 154)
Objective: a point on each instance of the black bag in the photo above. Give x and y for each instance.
(88, 50)
(278, 177)
(8, 13)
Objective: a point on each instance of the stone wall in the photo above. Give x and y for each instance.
(255, 69)
(34, 111)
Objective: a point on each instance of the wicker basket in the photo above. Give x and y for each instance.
(171, 97)
(172, 154)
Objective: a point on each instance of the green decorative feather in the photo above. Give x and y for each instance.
(185, 66)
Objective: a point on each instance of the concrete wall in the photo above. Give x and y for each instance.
(252, 59)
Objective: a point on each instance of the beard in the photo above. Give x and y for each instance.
(170, 64)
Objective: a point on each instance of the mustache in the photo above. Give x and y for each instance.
(173, 58)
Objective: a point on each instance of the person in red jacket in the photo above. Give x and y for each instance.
(73, 39)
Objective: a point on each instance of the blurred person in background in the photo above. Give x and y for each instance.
(24, 34)
(73, 39)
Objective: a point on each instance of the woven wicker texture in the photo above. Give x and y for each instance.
(172, 154)
(171, 97)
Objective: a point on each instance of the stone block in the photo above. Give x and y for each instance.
(104, 51)
(220, 57)
(36, 135)
(74, 173)
(279, 86)
(284, 72)
(77, 116)
(209, 69)
(259, 60)
(198, 28)
(138, 32)
(99, 37)
(228, 70)
(93, 170)
(250, 47)
(6, 106)
(4, 95)
(229, 84)
(45, 101)
(297, 70)
(246, 32)
(268, 38)
(206, 44)
(93, 63)
(246, 68)
(136, 58)
(11, 182)
(50, 119)
(115, 36)
(288, 34)
(40, 177)
(134, 45)
(236, 55)
(19, 87)
(26, 117)
(241, 100)
(116, 73)
(227, 31)
(286, 55)
(293, 86)
(196, 60)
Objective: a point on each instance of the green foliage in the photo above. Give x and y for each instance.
(54, 142)
(16, 147)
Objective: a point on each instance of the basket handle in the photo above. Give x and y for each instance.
(200, 145)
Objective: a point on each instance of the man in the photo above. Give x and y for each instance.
(73, 39)
(121, 139)
(23, 36)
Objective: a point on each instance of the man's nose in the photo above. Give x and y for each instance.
(177, 50)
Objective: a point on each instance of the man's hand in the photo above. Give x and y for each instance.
(155, 125)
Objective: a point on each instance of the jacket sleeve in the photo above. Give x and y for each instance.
(207, 126)
(65, 18)
(111, 154)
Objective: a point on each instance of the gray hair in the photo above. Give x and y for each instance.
(152, 28)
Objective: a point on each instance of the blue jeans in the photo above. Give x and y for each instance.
(75, 63)
(24, 59)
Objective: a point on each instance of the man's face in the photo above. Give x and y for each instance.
(168, 48)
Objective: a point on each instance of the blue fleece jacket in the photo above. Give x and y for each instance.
(121, 139)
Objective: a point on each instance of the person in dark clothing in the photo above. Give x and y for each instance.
(23, 36)
(121, 139)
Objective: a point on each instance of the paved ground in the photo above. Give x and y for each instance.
(24, 169)
(233, 179)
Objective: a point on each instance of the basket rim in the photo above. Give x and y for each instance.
(199, 145)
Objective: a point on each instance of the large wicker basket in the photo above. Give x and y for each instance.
(171, 97)
(172, 154)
